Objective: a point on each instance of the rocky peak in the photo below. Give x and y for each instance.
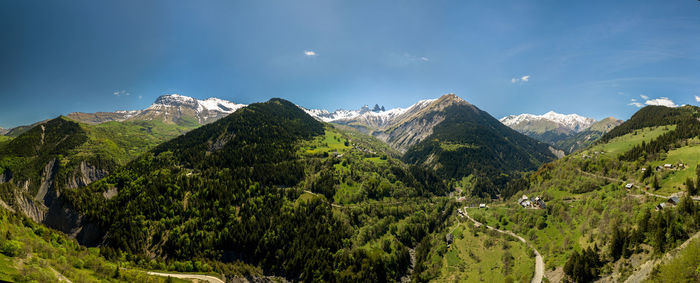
(176, 100)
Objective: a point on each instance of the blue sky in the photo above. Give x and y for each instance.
(594, 58)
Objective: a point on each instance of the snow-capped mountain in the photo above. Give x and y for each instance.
(170, 108)
(573, 122)
(566, 132)
(376, 116)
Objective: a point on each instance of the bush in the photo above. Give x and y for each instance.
(12, 248)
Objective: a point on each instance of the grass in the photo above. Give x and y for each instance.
(126, 140)
(482, 255)
(573, 221)
(332, 141)
(626, 142)
(673, 181)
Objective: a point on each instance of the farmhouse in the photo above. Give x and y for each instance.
(524, 201)
(540, 203)
(674, 200)
(629, 186)
(668, 166)
(482, 205)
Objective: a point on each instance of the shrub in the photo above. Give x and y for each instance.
(12, 248)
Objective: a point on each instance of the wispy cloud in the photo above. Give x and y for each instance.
(697, 98)
(644, 97)
(523, 79)
(637, 104)
(121, 93)
(140, 97)
(310, 53)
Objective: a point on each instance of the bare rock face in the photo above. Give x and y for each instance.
(47, 180)
(85, 175)
(416, 124)
(30, 207)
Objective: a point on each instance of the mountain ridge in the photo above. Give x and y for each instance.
(169, 108)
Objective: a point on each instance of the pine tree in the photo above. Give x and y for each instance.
(690, 187)
(656, 183)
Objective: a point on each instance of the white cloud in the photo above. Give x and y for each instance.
(663, 101)
(121, 92)
(523, 79)
(309, 53)
(140, 97)
(697, 98)
(425, 59)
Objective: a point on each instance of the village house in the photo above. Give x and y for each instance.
(671, 202)
(482, 205)
(668, 166)
(524, 201)
(540, 203)
(674, 200)
(629, 186)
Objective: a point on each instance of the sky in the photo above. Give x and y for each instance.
(593, 58)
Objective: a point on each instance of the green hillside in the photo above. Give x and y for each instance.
(269, 186)
(591, 218)
(105, 147)
(30, 252)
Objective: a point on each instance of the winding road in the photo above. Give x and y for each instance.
(539, 263)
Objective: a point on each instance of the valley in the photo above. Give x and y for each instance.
(272, 192)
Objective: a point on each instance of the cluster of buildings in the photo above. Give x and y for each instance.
(669, 166)
(536, 202)
(671, 202)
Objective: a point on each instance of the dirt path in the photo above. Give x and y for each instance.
(200, 277)
(539, 262)
(642, 273)
(60, 276)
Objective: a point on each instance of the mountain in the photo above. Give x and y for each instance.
(172, 108)
(3, 131)
(529, 123)
(588, 136)
(271, 187)
(653, 116)
(459, 140)
(38, 165)
(566, 132)
(453, 137)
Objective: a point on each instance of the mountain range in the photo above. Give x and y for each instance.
(565, 132)
(308, 195)
(172, 108)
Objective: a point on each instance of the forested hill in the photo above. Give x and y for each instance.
(262, 130)
(269, 186)
(471, 142)
(652, 116)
